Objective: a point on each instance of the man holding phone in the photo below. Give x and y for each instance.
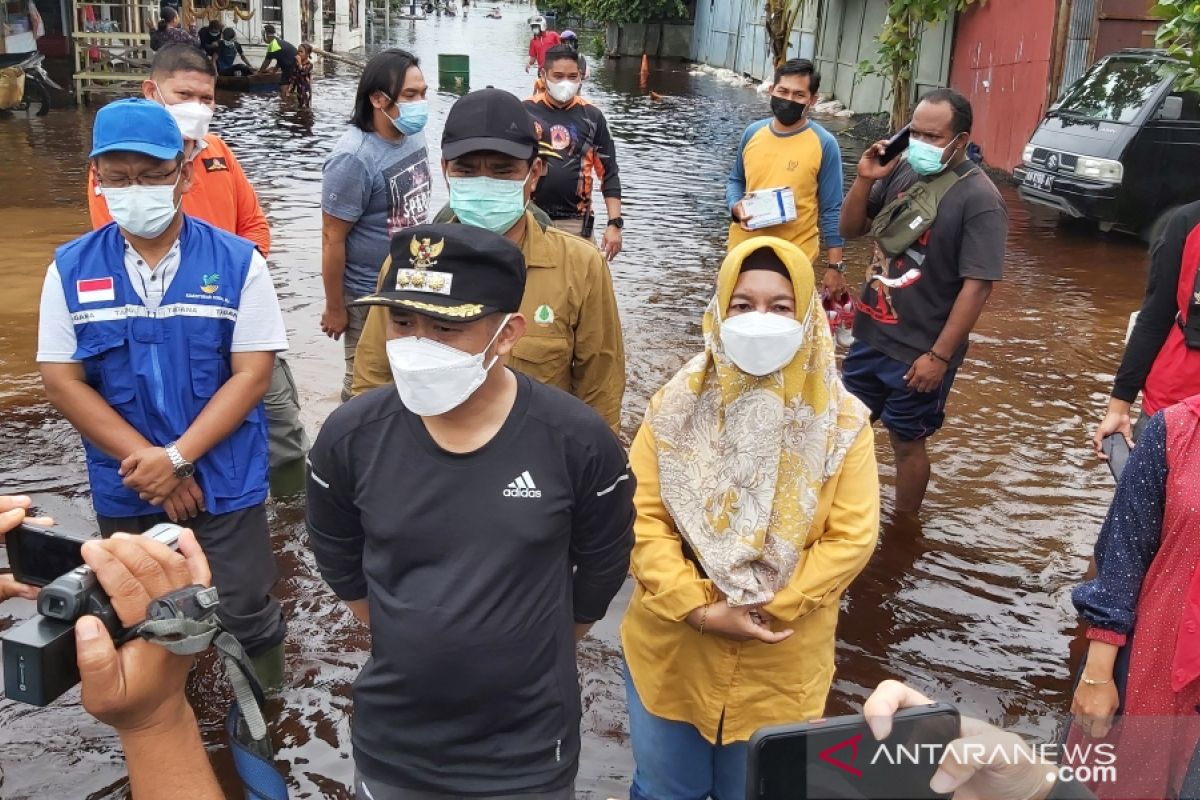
(916, 310)
(156, 340)
(787, 150)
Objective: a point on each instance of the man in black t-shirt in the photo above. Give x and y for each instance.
(916, 311)
(283, 53)
(479, 523)
(576, 134)
(210, 38)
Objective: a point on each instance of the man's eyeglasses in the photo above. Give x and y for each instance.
(148, 179)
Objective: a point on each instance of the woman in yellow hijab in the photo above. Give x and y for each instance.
(757, 505)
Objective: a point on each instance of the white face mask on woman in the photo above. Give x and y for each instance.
(759, 344)
(434, 378)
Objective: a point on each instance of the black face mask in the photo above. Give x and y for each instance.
(788, 112)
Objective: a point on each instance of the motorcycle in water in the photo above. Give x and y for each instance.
(24, 83)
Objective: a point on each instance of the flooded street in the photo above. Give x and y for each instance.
(974, 608)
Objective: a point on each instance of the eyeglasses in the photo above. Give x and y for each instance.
(147, 179)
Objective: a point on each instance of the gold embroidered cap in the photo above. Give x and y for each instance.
(453, 272)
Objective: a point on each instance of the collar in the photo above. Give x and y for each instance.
(536, 246)
(198, 147)
(784, 134)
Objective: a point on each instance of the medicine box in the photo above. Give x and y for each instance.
(767, 207)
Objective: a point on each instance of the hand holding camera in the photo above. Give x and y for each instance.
(138, 688)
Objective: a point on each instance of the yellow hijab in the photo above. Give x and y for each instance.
(742, 459)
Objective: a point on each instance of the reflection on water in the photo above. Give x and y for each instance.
(973, 606)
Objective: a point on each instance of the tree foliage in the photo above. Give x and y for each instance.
(899, 43)
(781, 18)
(1179, 35)
(622, 11)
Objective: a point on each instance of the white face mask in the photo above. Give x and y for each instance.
(759, 344)
(434, 378)
(144, 211)
(192, 117)
(562, 91)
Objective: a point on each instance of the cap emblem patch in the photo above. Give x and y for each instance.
(420, 278)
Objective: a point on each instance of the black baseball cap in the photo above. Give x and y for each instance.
(452, 272)
(490, 119)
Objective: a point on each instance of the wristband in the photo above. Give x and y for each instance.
(704, 617)
(945, 361)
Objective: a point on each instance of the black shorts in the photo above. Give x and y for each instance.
(285, 74)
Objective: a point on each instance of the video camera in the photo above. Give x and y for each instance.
(39, 655)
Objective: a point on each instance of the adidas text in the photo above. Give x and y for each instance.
(522, 486)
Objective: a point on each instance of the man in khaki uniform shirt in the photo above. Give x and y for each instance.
(574, 337)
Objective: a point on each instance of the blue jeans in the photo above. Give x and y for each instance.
(674, 762)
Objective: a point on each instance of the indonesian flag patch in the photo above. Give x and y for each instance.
(95, 290)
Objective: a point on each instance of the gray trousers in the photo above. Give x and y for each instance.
(369, 789)
(286, 440)
(238, 547)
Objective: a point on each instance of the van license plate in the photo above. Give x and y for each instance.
(1043, 181)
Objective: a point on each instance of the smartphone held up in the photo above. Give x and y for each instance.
(895, 145)
(840, 759)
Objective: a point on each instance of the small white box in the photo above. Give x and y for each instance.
(767, 207)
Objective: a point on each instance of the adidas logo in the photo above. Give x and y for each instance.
(523, 486)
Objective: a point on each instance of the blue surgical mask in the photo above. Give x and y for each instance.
(411, 117)
(487, 202)
(925, 158)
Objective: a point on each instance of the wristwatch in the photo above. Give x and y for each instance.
(840, 267)
(184, 469)
(617, 222)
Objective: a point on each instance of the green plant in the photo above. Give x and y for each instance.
(598, 44)
(780, 22)
(1179, 35)
(899, 43)
(627, 10)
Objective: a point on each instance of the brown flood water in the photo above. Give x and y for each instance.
(974, 607)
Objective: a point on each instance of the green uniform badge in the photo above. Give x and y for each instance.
(544, 315)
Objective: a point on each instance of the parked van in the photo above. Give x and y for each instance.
(1121, 147)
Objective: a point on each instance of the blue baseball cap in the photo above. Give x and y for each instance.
(136, 126)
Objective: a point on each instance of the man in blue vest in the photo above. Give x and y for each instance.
(156, 341)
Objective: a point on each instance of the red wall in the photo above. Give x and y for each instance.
(1001, 62)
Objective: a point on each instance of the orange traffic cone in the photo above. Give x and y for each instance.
(645, 67)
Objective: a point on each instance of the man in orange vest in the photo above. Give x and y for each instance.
(183, 80)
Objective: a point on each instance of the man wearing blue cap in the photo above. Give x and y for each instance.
(156, 341)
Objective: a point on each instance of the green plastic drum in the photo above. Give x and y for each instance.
(454, 72)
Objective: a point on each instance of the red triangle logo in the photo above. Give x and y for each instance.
(852, 743)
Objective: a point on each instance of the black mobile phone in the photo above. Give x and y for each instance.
(1117, 450)
(839, 758)
(896, 145)
(39, 555)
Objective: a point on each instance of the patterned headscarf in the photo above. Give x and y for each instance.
(742, 459)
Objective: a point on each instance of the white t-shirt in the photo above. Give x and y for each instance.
(258, 328)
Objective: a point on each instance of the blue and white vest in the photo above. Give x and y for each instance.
(158, 369)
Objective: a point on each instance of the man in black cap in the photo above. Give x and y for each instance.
(479, 522)
(490, 158)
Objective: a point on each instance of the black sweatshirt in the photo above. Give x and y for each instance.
(466, 561)
(1159, 306)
